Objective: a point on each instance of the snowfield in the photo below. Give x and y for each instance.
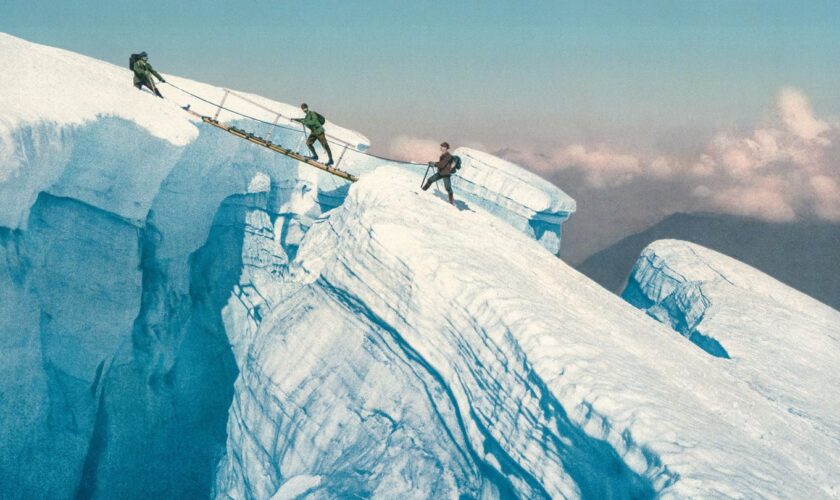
(780, 343)
(184, 314)
(535, 381)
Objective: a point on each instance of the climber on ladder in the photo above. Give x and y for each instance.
(315, 122)
(143, 71)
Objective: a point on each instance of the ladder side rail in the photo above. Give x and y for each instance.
(272, 127)
(221, 105)
(251, 101)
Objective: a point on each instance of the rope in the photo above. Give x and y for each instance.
(216, 105)
(294, 129)
(360, 152)
(371, 155)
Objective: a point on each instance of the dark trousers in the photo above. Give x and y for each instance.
(322, 138)
(150, 84)
(446, 182)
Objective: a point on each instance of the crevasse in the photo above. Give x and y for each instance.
(122, 241)
(183, 314)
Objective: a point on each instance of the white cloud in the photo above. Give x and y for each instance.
(415, 149)
(537, 162)
(660, 167)
(777, 172)
(702, 191)
(766, 199)
(795, 111)
(601, 166)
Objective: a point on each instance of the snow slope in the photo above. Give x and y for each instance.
(781, 344)
(59, 107)
(398, 355)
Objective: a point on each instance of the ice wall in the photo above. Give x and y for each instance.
(777, 341)
(380, 361)
(525, 200)
(122, 222)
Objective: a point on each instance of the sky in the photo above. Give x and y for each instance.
(612, 99)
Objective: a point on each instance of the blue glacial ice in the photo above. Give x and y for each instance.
(779, 342)
(536, 382)
(184, 314)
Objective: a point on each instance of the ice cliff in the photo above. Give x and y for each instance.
(184, 314)
(780, 343)
(447, 359)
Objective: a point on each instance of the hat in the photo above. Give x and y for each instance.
(304, 106)
(143, 54)
(445, 145)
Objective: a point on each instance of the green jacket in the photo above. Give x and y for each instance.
(311, 121)
(143, 72)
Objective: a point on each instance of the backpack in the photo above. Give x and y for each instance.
(133, 59)
(456, 164)
(321, 118)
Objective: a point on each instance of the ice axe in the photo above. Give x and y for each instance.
(425, 175)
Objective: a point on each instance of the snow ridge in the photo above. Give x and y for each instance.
(781, 343)
(519, 382)
(670, 298)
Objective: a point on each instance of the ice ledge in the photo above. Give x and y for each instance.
(55, 86)
(682, 261)
(516, 187)
(676, 283)
(668, 296)
(526, 201)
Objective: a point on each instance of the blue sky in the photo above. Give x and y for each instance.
(538, 74)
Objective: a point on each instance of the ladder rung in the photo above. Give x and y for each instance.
(279, 149)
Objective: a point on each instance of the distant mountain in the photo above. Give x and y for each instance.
(804, 255)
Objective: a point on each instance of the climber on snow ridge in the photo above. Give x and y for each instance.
(143, 71)
(444, 167)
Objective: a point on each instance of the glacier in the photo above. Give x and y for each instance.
(545, 385)
(184, 314)
(781, 343)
